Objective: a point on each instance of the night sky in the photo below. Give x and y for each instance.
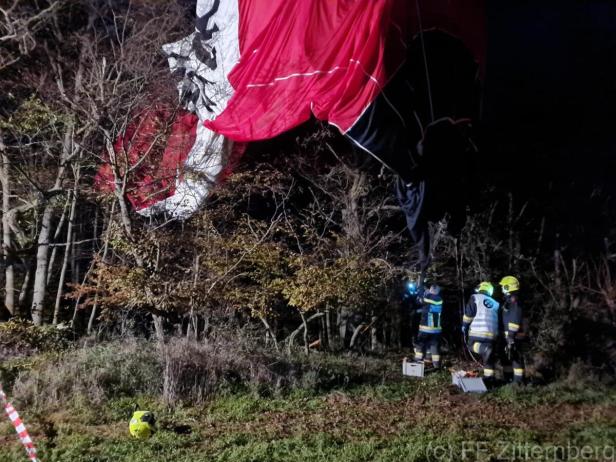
(549, 108)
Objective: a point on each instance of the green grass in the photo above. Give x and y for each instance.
(401, 420)
(555, 393)
(240, 407)
(246, 427)
(415, 444)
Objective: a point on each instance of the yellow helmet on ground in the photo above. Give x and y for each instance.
(486, 287)
(509, 284)
(142, 424)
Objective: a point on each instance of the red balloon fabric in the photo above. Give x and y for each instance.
(154, 148)
(330, 58)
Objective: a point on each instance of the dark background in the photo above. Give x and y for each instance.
(549, 114)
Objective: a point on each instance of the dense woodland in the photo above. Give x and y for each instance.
(304, 246)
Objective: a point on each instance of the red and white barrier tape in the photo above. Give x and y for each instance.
(20, 428)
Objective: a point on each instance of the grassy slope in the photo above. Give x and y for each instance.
(406, 421)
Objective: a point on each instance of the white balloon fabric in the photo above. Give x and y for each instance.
(203, 60)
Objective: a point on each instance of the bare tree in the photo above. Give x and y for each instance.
(69, 150)
(91, 74)
(19, 23)
(69, 242)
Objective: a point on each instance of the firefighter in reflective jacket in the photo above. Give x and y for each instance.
(480, 322)
(513, 325)
(429, 336)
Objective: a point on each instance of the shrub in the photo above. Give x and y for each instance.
(185, 371)
(91, 375)
(22, 338)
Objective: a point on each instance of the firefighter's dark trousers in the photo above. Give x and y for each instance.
(515, 354)
(428, 343)
(485, 349)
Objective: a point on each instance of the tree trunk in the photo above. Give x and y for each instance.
(42, 253)
(343, 325)
(352, 223)
(328, 328)
(193, 321)
(56, 235)
(69, 242)
(303, 327)
(119, 181)
(24, 287)
(92, 315)
(324, 333)
(9, 270)
(358, 330)
(269, 332)
(75, 274)
(40, 276)
(158, 327)
(306, 349)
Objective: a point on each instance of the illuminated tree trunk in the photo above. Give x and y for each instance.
(9, 271)
(40, 276)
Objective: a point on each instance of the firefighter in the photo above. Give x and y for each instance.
(429, 336)
(481, 323)
(513, 319)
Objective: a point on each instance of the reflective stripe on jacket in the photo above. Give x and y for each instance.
(431, 314)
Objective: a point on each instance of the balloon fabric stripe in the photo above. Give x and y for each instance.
(20, 428)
